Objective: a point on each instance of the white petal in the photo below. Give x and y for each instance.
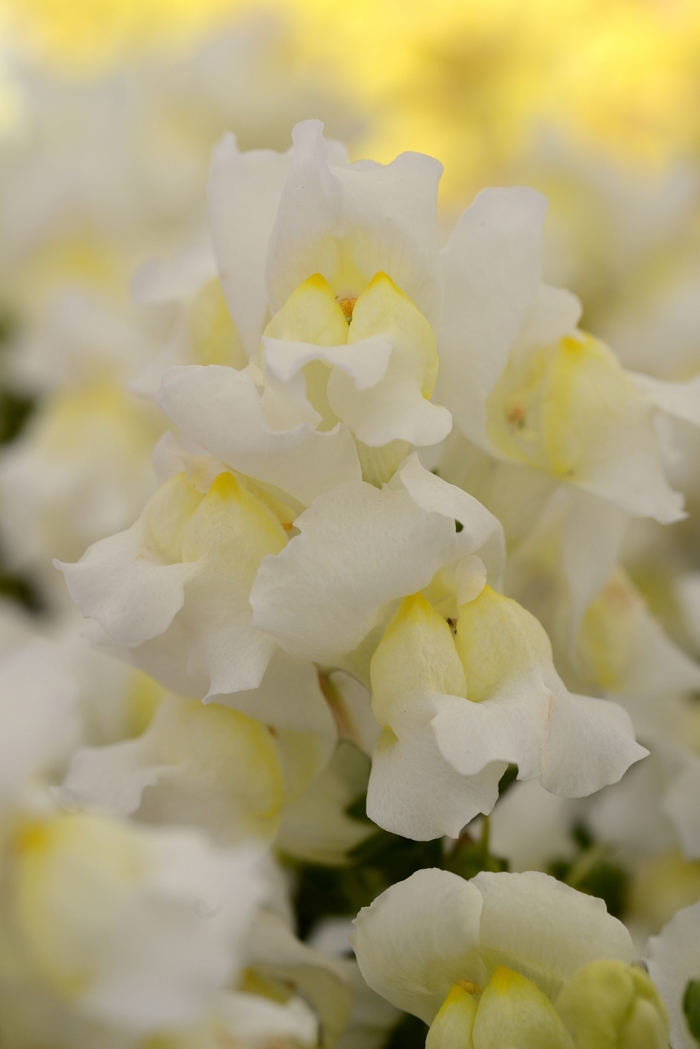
(492, 266)
(673, 959)
(629, 473)
(278, 954)
(219, 408)
(365, 218)
(178, 939)
(39, 721)
(510, 727)
(158, 281)
(590, 547)
(679, 399)
(415, 792)
(244, 194)
(420, 937)
(316, 827)
(556, 313)
(250, 1018)
(351, 705)
(365, 362)
(289, 697)
(358, 548)
(591, 744)
(203, 766)
(681, 806)
(393, 409)
(480, 529)
(629, 814)
(127, 587)
(544, 929)
(530, 827)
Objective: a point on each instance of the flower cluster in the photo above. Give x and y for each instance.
(383, 578)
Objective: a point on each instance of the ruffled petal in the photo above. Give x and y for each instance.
(219, 408)
(350, 222)
(590, 745)
(358, 549)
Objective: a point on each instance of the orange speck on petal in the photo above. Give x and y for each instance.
(347, 306)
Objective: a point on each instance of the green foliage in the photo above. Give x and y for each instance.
(375, 864)
(409, 1033)
(15, 588)
(592, 871)
(381, 860)
(14, 412)
(691, 1008)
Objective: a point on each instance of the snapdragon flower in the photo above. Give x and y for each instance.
(173, 588)
(507, 961)
(330, 271)
(212, 766)
(462, 679)
(527, 386)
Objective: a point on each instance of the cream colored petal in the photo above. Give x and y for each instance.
(514, 1012)
(195, 765)
(220, 410)
(544, 929)
(590, 745)
(358, 548)
(352, 221)
(418, 938)
(415, 792)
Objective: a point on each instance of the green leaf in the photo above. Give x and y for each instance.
(691, 1007)
(591, 871)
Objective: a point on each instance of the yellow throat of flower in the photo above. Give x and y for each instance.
(553, 407)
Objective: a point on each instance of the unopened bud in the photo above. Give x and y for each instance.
(610, 1005)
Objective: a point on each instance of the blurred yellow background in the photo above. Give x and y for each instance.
(466, 80)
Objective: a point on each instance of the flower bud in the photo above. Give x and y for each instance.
(610, 1005)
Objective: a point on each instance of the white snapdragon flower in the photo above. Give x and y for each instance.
(673, 959)
(331, 275)
(613, 643)
(209, 765)
(173, 589)
(507, 961)
(528, 387)
(132, 926)
(102, 923)
(462, 679)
